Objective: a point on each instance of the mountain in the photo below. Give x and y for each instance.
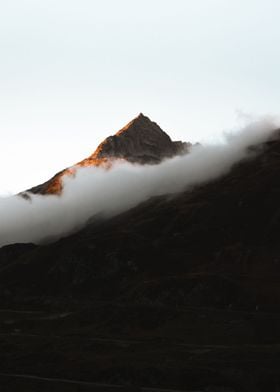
(140, 141)
(176, 294)
(228, 227)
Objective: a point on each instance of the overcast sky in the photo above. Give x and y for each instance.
(75, 71)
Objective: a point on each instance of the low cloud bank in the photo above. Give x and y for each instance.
(95, 190)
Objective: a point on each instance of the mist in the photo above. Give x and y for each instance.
(94, 190)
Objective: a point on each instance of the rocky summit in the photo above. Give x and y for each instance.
(141, 141)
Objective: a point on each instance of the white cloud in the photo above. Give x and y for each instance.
(95, 190)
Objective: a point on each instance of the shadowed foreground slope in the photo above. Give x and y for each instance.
(179, 293)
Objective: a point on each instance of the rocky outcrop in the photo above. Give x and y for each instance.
(141, 141)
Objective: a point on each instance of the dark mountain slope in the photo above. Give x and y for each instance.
(229, 227)
(179, 293)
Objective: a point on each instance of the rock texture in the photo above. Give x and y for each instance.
(140, 141)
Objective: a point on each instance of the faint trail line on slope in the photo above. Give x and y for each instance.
(22, 311)
(159, 342)
(165, 342)
(92, 384)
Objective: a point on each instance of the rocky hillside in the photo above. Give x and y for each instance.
(225, 231)
(178, 294)
(140, 141)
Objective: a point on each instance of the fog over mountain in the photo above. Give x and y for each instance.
(99, 190)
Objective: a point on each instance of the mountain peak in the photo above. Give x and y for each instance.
(139, 123)
(141, 141)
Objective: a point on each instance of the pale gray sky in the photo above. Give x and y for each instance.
(74, 71)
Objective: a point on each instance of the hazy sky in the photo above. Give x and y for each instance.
(75, 71)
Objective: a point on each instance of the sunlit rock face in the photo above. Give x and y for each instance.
(141, 141)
